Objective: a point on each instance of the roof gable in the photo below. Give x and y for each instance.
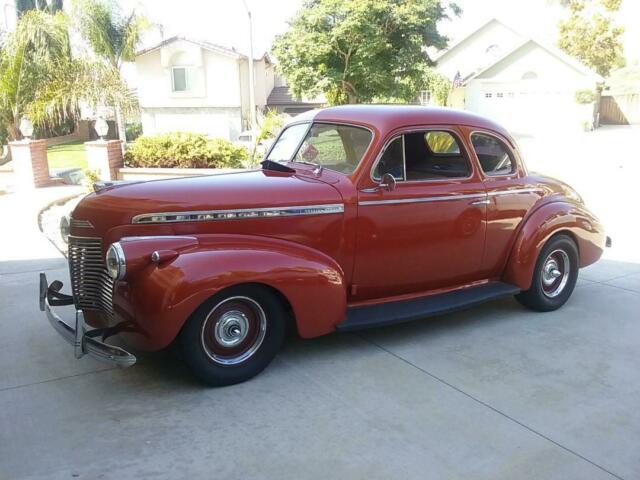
(212, 47)
(466, 40)
(499, 63)
(453, 53)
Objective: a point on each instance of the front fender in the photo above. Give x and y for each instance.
(160, 297)
(546, 221)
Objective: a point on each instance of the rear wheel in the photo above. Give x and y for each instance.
(554, 277)
(234, 335)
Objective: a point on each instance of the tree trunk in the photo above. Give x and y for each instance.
(120, 125)
(596, 106)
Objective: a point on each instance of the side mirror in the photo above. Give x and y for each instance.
(387, 182)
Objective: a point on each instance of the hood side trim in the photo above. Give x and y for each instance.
(237, 214)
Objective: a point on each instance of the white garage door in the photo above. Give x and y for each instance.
(528, 106)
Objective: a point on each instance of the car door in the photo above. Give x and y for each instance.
(512, 194)
(429, 231)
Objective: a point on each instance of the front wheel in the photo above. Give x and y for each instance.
(234, 335)
(554, 277)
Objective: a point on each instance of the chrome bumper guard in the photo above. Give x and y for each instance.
(83, 340)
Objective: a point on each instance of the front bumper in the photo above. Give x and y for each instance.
(84, 341)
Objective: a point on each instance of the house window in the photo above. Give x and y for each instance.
(488, 95)
(499, 95)
(424, 97)
(179, 79)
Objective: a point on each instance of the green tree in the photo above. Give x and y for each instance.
(361, 50)
(590, 35)
(40, 79)
(113, 36)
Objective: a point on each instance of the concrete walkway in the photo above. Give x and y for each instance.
(496, 392)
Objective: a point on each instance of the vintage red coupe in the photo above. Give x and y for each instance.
(360, 216)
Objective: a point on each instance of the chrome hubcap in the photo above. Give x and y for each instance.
(231, 328)
(555, 273)
(234, 330)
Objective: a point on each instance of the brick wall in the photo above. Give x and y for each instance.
(30, 163)
(105, 157)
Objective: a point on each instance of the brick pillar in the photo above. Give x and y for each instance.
(30, 163)
(105, 157)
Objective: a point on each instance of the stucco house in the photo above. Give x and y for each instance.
(520, 82)
(192, 85)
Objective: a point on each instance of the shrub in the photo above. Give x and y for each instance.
(90, 177)
(585, 96)
(133, 131)
(184, 150)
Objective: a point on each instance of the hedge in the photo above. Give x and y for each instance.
(184, 150)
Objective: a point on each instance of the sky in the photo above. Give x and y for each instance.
(225, 22)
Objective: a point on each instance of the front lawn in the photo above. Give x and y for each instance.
(67, 155)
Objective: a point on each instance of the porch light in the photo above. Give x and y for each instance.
(101, 127)
(26, 128)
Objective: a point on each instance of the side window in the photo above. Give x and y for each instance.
(392, 161)
(434, 155)
(494, 157)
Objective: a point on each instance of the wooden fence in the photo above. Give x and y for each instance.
(620, 109)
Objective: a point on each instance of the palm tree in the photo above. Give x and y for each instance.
(51, 6)
(112, 36)
(40, 79)
(28, 54)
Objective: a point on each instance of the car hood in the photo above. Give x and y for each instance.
(118, 204)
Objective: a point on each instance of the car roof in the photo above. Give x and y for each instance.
(390, 117)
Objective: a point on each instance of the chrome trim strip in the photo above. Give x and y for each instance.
(444, 198)
(80, 223)
(161, 237)
(211, 215)
(514, 190)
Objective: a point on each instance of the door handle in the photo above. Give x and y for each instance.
(484, 201)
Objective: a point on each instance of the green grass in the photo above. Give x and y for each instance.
(67, 155)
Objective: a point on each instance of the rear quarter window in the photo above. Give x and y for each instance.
(494, 156)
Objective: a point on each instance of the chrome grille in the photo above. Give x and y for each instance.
(91, 285)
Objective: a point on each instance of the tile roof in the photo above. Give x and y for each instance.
(283, 96)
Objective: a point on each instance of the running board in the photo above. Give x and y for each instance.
(381, 314)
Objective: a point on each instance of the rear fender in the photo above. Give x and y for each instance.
(548, 220)
(164, 295)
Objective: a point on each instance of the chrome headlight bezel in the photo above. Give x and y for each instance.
(115, 261)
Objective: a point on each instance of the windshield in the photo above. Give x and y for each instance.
(333, 146)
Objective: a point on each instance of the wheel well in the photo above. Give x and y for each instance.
(286, 306)
(566, 233)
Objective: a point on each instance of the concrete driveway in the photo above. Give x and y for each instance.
(496, 392)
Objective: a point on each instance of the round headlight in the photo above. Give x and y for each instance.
(65, 228)
(116, 263)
